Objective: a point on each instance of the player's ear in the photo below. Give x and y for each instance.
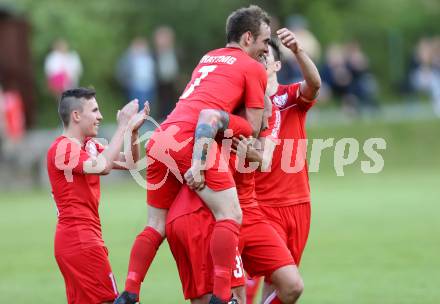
(247, 38)
(75, 116)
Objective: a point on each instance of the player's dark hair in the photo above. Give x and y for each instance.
(273, 43)
(71, 100)
(245, 19)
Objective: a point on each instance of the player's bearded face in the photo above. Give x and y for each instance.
(259, 46)
(90, 118)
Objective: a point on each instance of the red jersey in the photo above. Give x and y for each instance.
(224, 79)
(245, 182)
(287, 182)
(187, 201)
(76, 194)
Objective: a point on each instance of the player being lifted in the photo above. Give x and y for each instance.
(224, 79)
(263, 252)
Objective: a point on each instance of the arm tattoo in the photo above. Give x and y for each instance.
(204, 134)
(224, 120)
(205, 130)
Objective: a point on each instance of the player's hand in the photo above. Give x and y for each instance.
(138, 120)
(288, 39)
(242, 145)
(127, 112)
(195, 178)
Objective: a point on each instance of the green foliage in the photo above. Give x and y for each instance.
(100, 30)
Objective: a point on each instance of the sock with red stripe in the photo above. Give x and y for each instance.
(142, 254)
(223, 247)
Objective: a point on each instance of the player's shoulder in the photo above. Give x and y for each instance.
(53, 146)
(285, 93)
(291, 88)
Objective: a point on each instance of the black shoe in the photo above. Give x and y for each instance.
(215, 300)
(126, 298)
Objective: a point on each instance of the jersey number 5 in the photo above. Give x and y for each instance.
(204, 70)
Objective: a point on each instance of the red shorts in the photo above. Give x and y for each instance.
(262, 249)
(88, 276)
(189, 237)
(170, 153)
(292, 224)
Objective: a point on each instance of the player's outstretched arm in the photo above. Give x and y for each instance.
(127, 160)
(104, 162)
(312, 81)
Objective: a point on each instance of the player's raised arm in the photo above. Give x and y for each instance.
(312, 81)
(104, 162)
(128, 158)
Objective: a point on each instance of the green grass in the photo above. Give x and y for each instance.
(374, 238)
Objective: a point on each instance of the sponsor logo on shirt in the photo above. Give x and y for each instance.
(91, 148)
(280, 100)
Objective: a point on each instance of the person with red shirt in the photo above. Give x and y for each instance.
(190, 223)
(283, 191)
(225, 79)
(75, 162)
(189, 227)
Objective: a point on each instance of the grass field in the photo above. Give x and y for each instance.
(374, 238)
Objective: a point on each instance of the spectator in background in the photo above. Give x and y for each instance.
(167, 69)
(62, 67)
(335, 73)
(290, 71)
(348, 79)
(363, 88)
(425, 76)
(135, 72)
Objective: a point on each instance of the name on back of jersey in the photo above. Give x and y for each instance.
(218, 59)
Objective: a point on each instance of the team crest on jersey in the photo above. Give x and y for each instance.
(91, 148)
(280, 100)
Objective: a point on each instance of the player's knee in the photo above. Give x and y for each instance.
(292, 290)
(231, 212)
(157, 219)
(158, 225)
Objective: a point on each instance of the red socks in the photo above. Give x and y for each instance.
(223, 247)
(142, 254)
(252, 285)
(273, 299)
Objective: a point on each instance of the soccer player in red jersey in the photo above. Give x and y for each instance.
(189, 229)
(224, 79)
(74, 163)
(263, 251)
(283, 192)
